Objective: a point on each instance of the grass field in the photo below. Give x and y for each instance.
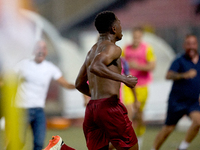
(74, 137)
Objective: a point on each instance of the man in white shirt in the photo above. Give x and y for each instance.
(35, 76)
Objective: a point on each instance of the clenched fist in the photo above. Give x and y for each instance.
(190, 74)
(131, 81)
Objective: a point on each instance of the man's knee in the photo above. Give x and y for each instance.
(195, 116)
(168, 128)
(196, 125)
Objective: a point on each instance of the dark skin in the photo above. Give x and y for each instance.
(102, 68)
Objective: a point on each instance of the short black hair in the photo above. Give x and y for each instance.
(104, 21)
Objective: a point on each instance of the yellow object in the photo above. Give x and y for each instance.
(10, 112)
(141, 93)
(150, 54)
(140, 130)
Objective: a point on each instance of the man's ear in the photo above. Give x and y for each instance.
(113, 29)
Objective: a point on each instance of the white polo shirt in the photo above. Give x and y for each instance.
(35, 79)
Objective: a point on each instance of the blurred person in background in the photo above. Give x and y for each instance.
(142, 61)
(1, 103)
(184, 96)
(106, 118)
(35, 76)
(136, 103)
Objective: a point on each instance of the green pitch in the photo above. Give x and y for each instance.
(74, 137)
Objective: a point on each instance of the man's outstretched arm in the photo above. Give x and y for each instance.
(64, 83)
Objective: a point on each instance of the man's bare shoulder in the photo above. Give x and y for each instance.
(90, 55)
(109, 43)
(103, 48)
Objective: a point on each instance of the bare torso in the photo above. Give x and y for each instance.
(102, 87)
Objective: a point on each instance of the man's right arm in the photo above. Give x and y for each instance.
(81, 81)
(172, 75)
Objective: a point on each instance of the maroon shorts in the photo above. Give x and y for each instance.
(106, 121)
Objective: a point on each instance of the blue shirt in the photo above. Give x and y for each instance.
(125, 67)
(185, 89)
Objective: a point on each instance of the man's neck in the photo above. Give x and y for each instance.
(135, 46)
(105, 36)
(37, 62)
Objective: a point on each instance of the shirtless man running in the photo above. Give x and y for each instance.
(100, 77)
(106, 117)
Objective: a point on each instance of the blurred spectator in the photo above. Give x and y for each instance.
(142, 61)
(1, 84)
(184, 96)
(136, 104)
(35, 76)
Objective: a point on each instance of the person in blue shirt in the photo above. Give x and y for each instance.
(184, 96)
